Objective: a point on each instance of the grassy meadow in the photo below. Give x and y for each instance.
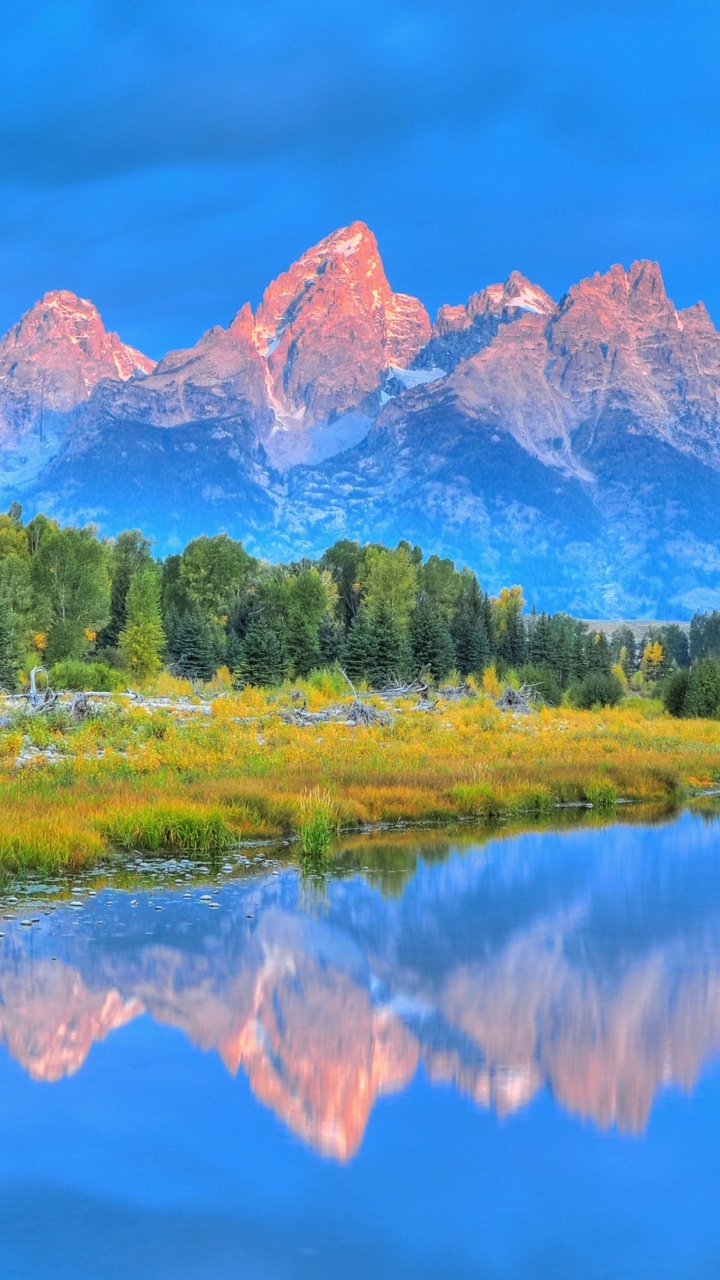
(232, 769)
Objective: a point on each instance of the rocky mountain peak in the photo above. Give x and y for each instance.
(461, 331)
(55, 356)
(330, 324)
(62, 327)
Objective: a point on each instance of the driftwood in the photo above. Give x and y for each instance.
(515, 700)
(40, 700)
(454, 692)
(361, 713)
(418, 687)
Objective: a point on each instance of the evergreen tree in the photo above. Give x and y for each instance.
(511, 633)
(307, 602)
(262, 661)
(702, 697)
(332, 638)
(129, 554)
(358, 656)
(192, 644)
(705, 635)
(142, 640)
(539, 640)
(599, 657)
(469, 630)
(675, 644)
(8, 650)
(432, 646)
(391, 654)
(623, 648)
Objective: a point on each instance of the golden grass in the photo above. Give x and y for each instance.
(147, 779)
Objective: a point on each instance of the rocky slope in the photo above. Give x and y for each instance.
(572, 446)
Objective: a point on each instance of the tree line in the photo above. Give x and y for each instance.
(102, 611)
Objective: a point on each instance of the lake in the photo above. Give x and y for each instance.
(477, 1059)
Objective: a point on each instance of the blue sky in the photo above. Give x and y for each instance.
(167, 158)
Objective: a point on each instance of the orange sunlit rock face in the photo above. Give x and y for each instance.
(614, 352)
(54, 358)
(331, 324)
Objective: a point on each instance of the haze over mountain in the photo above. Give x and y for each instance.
(573, 446)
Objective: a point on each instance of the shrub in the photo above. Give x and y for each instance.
(544, 681)
(596, 690)
(674, 692)
(694, 693)
(76, 675)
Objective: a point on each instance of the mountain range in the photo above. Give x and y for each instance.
(571, 446)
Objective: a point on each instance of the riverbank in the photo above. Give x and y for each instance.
(202, 776)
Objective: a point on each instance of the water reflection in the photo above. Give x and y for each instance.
(586, 963)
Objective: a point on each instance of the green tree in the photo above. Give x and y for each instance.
(432, 646)
(539, 640)
(597, 689)
(8, 649)
(441, 585)
(71, 586)
(307, 602)
(358, 656)
(142, 640)
(344, 560)
(599, 656)
(674, 692)
(390, 578)
(470, 629)
(510, 627)
(705, 635)
(391, 654)
(624, 649)
(544, 680)
(128, 554)
(214, 571)
(262, 661)
(702, 697)
(192, 644)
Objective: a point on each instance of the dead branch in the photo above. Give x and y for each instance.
(514, 700)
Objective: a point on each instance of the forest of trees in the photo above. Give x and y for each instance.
(98, 613)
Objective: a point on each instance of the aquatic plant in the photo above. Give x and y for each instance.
(317, 826)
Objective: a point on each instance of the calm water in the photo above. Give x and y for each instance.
(493, 1061)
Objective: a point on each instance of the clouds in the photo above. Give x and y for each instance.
(96, 88)
(167, 157)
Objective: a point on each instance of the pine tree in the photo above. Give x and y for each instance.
(331, 641)
(8, 649)
(192, 645)
(142, 640)
(262, 660)
(469, 631)
(391, 653)
(539, 640)
(358, 655)
(432, 646)
(599, 656)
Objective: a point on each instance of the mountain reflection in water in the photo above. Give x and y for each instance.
(586, 963)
